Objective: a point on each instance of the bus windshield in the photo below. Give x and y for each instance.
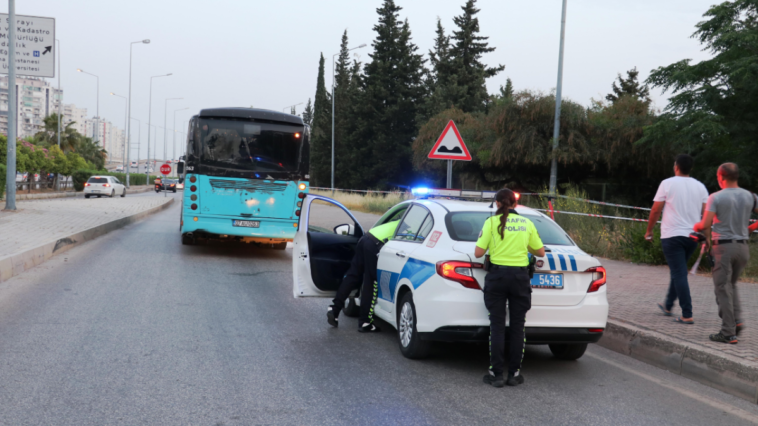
(248, 146)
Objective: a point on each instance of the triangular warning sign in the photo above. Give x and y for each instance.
(450, 145)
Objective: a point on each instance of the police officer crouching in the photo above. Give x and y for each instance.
(508, 237)
(362, 273)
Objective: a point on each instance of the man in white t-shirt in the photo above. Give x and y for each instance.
(684, 199)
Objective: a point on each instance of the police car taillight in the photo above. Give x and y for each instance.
(460, 272)
(598, 278)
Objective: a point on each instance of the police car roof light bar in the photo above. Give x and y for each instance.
(465, 194)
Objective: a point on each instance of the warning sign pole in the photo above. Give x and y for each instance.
(450, 147)
(449, 174)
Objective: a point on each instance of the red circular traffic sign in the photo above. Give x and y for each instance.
(165, 169)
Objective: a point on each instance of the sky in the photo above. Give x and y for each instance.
(266, 53)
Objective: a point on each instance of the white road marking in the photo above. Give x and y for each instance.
(720, 405)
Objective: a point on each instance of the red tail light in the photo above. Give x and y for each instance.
(595, 330)
(598, 278)
(193, 188)
(297, 213)
(193, 179)
(301, 195)
(106, 185)
(460, 272)
(86, 184)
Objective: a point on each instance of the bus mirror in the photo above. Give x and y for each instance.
(181, 179)
(180, 168)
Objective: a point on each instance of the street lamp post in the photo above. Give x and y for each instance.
(558, 92)
(139, 137)
(60, 109)
(129, 122)
(165, 127)
(96, 132)
(10, 171)
(149, 120)
(333, 56)
(126, 140)
(173, 149)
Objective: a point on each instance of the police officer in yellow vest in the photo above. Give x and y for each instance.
(363, 271)
(508, 237)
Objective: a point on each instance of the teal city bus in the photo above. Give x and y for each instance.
(245, 174)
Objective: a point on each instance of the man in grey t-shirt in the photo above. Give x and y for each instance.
(726, 222)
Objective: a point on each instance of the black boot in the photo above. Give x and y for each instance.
(514, 379)
(493, 379)
(369, 327)
(332, 315)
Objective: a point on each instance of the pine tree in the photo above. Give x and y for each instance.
(629, 86)
(470, 74)
(393, 90)
(308, 113)
(438, 80)
(321, 132)
(343, 100)
(507, 91)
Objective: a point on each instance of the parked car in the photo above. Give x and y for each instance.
(430, 285)
(104, 186)
(120, 168)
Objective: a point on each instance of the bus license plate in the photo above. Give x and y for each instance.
(553, 281)
(246, 223)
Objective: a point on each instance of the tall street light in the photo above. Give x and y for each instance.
(96, 133)
(558, 91)
(60, 109)
(334, 56)
(126, 141)
(165, 128)
(173, 150)
(139, 136)
(129, 122)
(149, 120)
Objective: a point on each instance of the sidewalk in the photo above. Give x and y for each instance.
(639, 329)
(41, 228)
(22, 196)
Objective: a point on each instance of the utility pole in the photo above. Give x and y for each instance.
(60, 110)
(558, 90)
(10, 174)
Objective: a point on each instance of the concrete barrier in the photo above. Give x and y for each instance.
(718, 370)
(16, 264)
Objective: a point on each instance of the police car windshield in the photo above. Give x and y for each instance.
(465, 226)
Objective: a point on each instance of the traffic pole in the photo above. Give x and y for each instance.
(558, 91)
(10, 173)
(449, 174)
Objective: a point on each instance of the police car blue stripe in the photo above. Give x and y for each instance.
(563, 262)
(551, 261)
(573, 263)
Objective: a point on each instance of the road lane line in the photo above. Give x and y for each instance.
(723, 406)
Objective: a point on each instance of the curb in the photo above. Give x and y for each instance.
(72, 194)
(16, 264)
(721, 371)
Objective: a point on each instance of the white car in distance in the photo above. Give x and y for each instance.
(430, 284)
(104, 186)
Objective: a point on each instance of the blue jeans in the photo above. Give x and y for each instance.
(678, 251)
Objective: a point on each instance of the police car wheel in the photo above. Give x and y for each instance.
(411, 345)
(568, 351)
(352, 309)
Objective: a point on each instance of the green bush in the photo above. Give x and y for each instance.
(638, 249)
(134, 178)
(2, 180)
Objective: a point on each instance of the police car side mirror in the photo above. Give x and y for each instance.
(344, 229)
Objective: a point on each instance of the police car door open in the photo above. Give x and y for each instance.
(323, 247)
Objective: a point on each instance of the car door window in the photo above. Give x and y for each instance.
(411, 224)
(426, 228)
(325, 217)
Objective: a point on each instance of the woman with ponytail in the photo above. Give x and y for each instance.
(508, 237)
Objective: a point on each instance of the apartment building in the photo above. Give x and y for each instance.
(111, 137)
(71, 113)
(35, 100)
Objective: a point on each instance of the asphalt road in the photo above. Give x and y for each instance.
(134, 328)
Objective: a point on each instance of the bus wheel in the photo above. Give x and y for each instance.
(187, 240)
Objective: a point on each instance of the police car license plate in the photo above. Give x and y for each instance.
(246, 223)
(552, 281)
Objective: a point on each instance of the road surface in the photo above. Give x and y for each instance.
(134, 328)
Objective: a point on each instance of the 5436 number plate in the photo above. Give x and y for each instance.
(552, 281)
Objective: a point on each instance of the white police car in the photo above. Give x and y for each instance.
(430, 284)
